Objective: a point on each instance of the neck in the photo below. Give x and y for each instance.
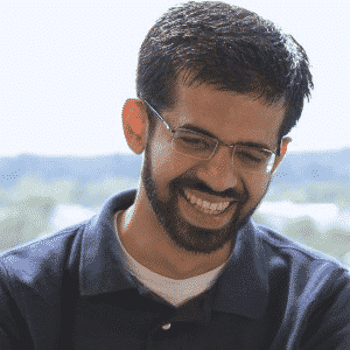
(146, 241)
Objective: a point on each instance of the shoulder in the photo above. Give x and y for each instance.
(32, 278)
(47, 257)
(307, 288)
(301, 268)
(277, 244)
(27, 264)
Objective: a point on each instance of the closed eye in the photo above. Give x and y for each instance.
(256, 157)
(195, 142)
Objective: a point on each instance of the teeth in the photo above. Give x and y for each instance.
(206, 207)
(214, 206)
(221, 206)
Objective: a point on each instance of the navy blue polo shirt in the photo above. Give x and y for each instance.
(70, 291)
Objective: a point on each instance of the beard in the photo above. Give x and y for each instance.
(185, 235)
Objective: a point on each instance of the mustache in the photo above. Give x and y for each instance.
(200, 186)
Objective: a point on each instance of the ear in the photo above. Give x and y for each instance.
(135, 125)
(284, 145)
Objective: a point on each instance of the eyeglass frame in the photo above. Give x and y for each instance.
(173, 131)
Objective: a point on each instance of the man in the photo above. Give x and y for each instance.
(179, 264)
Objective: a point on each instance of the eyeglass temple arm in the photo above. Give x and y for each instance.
(278, 152)
(157, 114)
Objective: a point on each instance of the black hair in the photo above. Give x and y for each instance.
(225, 46)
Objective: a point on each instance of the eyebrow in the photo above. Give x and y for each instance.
(208, 133)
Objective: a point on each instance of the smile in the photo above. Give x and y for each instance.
(205, 206)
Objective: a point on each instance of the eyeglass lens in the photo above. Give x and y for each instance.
(202, 147)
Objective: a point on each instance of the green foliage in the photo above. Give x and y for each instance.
(262, 219)
(32, 185)
(94, 193)
(25, 219)
(337, 192)
(28, 206)
(334, 240)
(302, 229)
(286, 191)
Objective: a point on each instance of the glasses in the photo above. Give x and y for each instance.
(199, 146)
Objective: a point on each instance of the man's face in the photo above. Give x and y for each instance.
(177, 185)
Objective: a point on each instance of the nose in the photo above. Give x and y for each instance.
(219, 172)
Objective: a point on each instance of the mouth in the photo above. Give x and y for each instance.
(208, 206)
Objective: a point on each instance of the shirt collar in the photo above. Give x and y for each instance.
(241, 289)
(101, 270)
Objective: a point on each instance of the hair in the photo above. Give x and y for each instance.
(225, 46)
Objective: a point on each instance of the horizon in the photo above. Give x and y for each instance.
(294, 152)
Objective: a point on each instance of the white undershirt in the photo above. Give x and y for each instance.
(176, 292)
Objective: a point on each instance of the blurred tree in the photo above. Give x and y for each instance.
(286, 192)
(25, 219)
(92, 194)
(33, 185)
(28, 207)
(328, 192)
(302, 229)
(334, 241)
(262, 219)
(338, 241)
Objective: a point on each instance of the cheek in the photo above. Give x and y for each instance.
(257, 188)
(161, 155)
(166, 163)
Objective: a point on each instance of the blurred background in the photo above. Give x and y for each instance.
(66, 70)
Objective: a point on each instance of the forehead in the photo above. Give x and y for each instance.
(230, 116)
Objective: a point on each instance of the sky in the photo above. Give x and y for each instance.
(67, 68)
